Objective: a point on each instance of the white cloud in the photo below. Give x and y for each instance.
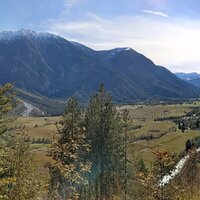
(69, 4)
(155, 13)
(172, 43)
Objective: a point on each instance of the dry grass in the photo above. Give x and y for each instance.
(173, 141)
(39, 127)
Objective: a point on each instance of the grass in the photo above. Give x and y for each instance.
(39, 146)
(173, 141)
(39, 127)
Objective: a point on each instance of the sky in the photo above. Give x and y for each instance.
(166, 31)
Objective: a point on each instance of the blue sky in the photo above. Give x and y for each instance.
(166, 31)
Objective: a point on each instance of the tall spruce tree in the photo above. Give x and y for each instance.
(125, 118)
(69, 151)
(104, 129)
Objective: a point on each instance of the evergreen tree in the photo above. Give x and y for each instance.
(197, 124)
(188, 145)
(141, 166)
(104, 129)
(68, 151)
(183, 127)
(125, 117)
(179, 125)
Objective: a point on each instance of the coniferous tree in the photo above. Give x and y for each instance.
(188, 145)
(104, 129)
(183, 127)
(197, 123)
(125, 118)
(69, 153)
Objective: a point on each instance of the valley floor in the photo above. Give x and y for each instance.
(146, 134)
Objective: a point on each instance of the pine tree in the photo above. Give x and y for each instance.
(69, 153)
(125, 117)
(188, 145)
(104, 129)
(183, 127)
(141, 168)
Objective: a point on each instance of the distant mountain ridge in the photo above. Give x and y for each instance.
(188, 76)
(195, 82)
(192, 78)
(54, 67)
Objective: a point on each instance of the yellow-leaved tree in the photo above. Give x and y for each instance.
(18, 178)
(69, 151)
(154, 188)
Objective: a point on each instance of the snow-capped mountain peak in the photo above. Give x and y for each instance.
(24, 33)
(118, 50)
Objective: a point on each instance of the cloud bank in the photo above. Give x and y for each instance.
(173, 43)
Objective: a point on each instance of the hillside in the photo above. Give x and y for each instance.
(188, 76)
(192, 78)
(37, 105)
(54, 67)
(195, 82)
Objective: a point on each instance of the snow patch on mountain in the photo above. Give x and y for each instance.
(118, 50)
(25, 33)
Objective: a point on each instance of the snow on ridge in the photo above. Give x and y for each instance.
(118, 50)
(11, 35)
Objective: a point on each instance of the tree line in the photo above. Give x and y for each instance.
(88, 153)
(88, 158)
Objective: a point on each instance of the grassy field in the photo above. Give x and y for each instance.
(173, 140)
(141, 116)
(39, 127)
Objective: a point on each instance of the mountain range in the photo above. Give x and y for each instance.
(51, 66)
(192, 78)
